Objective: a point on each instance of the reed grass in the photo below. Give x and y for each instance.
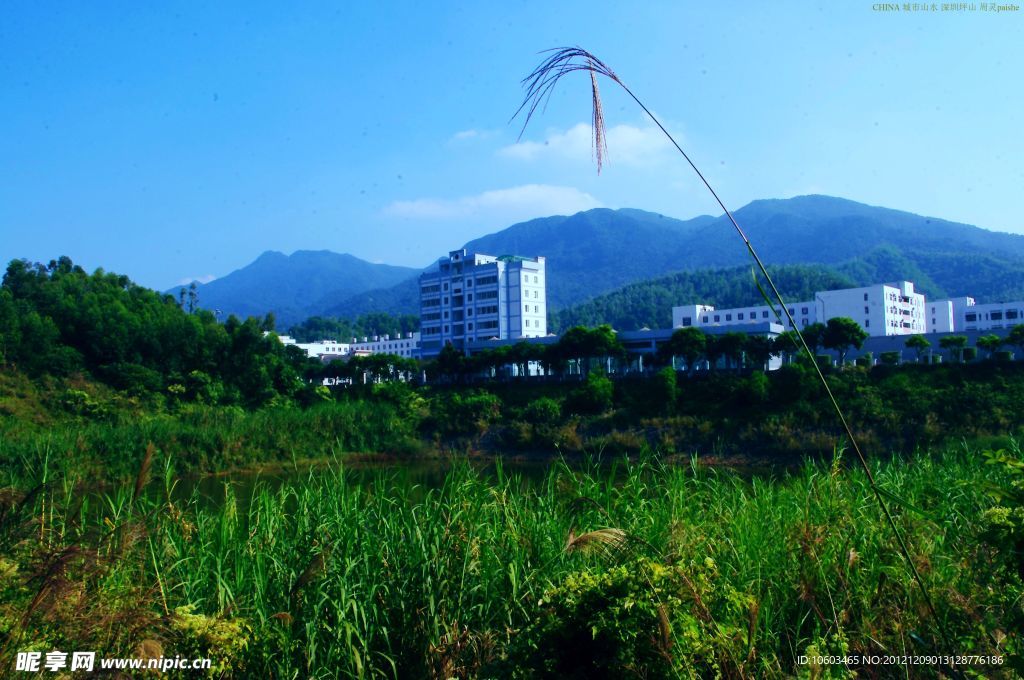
(329, 576)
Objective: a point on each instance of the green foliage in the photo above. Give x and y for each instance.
(919, 344)
(340, 573)
(57, 320)
(222, 640)
(955, 345)
(841, 333)
(642, 618)
(990, 343)
(665, 389)
(543, 411)
(593, 396)
(890, 358)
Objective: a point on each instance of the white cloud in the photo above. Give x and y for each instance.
(198, 279)
(515, 203)
(627, 144)
(466, 135)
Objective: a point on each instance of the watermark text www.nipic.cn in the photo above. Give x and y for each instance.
(56, 662)
(902, 7)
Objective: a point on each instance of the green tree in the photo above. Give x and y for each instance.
(688, 343)
(1016, 337)
(842, 333)
(814, 336)
(919, 344)
(786, 343)
(990, 343)
(760, 349)
(955, 345)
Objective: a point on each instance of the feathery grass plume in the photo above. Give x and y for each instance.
(143, 477)
(539, 85)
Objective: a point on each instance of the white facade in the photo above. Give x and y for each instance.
(407, 346)
(967, 315)
(477, 297)
(404, 346)
(881, 309)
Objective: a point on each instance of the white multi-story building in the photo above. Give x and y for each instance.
(478, 297)
(881, 309)
(964, 314)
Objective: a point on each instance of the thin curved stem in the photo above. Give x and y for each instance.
(539, 85)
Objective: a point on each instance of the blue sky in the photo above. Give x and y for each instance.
(179, 142)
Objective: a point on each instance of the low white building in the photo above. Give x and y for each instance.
(967, 315)
(881, 309)
(327, 350)
(407, 345)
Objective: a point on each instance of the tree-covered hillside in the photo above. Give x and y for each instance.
(57, 320)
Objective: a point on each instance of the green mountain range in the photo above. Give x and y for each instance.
(593, 253)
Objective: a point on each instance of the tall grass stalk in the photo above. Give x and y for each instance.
(539, 86)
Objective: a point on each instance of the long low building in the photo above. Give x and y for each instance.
(881, 310)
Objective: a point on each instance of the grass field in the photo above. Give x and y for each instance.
(643, 570)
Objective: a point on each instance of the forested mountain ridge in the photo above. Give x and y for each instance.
(295, 286)
(599, 251)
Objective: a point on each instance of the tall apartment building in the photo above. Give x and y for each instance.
(882, 309)
(473, 297)
(964, 314)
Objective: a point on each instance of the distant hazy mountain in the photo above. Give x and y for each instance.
(295, 286)
(599, 251)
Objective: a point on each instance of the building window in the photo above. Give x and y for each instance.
(527, 323)
(446, 315)
(803, 310)
(997, 316)
(535, 279)
(716, 318)
(791, 311)
(469, 283)
(469, 297)
(446, 286)
(867, 311)
(687, 321)
(469, 312)
(739, 317)
(867, 323)
(535, 295)
(446, 299)
(728, 317)
(446, 329)
(971, 317)
(865, 297)
(526, 309)
(704, 319)
(764, 314)
(1011, 313)
(536, 309)
(469, 326)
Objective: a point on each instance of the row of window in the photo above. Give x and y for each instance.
(526, 309)
(993, 316)
(526, 278)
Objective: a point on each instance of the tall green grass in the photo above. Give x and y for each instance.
(334, 577)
